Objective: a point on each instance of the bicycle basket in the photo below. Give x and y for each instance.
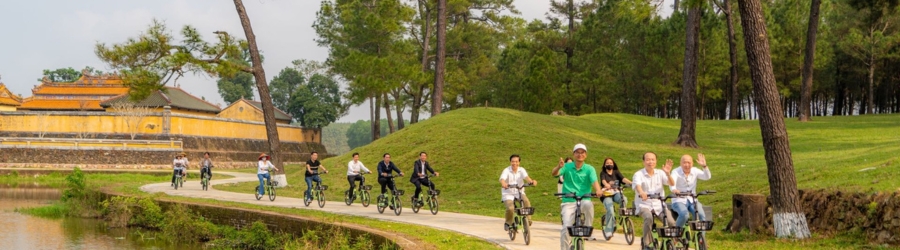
(525, 211)
(434, 192)
(670, 232)
(701, 225)
(399, 192)
(583, 231)
(323, 187)
(627, 211)
(367, 187)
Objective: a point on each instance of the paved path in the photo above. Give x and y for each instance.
(545, 235)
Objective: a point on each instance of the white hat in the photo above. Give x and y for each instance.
(579, 146)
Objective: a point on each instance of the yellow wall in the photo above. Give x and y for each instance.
(186, 125)
(7, 108)
(242, 111)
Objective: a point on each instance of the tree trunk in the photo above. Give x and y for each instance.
(372, 119)
(788, 219)
(870, 100)
(806, 87)
(732, 53)
(426, 37)
(376, 123)
(396, 94)
(686, 137)
(437, 94)
(387, 112)
(265, 98)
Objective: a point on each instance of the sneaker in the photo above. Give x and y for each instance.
(392, 207)
(505, 227)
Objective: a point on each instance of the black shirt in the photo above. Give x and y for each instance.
(611, 179)
(314, 166)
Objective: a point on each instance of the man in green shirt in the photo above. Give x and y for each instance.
(578, 177)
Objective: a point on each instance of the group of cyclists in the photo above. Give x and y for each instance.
(575, 176)
(181, 162)
(578, 177)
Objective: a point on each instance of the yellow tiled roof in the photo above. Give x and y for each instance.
(79, 90)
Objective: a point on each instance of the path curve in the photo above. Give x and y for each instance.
(544, 235)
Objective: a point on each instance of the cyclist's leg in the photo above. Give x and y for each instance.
(610, 215)
(587, 208)
(383, 183)
(261, 184)
(648, 225)
(701, 214)
(308, 187)
(418, 183)
(669, 219)
(317, 179)
(430, 184)
(683, 213)
(526, 202)
(508, 203)
(567, 210)
(174, 173)
(352, 180)
(209, 172)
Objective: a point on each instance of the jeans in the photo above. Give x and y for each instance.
(685, 210)
(567, 209)
(262, 186)
(648, 224)
(177, 172)
(419, 182)
(352, 179)
(510, 206)
(208, 171)
(610, 211)
(309, 181)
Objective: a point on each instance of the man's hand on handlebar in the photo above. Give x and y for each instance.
(644, 196)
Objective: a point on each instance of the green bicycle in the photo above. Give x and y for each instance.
(622, 219)
(667, 237)
(521, 219)
(362, 192)
(431, 199)
(392, 199)
(269, 187)
(580, 231)
(204, 179)
(693, 230)
(179, 180)
(318, 194)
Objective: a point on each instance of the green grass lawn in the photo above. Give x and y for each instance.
(130, 184)
(470, 147)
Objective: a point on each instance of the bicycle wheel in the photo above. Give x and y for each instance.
(578, 243)
(433, 205)
(670, 245)
(628, 230)
(321, 198)
(398, 206)
(347, 198)
(380, 204)
(177, 180)
(364, 198)
(512, 231)
(606, 235)
(271, 193)
(307, 201)
(256, 193)
(415, 205)
(526, 231)
(701, 242)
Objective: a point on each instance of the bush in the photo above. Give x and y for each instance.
(117, 211)
(74, 186)
(148, 214)
(182, 226)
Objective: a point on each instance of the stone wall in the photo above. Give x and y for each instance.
(225, 152)
(876, 215)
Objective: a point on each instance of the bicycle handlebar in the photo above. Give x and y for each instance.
(577, 197)
(691, 194)
(520, 187)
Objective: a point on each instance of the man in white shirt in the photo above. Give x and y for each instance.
(355, 169)
(511, 178)
(649, 181)
(686, 182)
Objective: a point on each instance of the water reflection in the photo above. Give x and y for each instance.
(22, 231)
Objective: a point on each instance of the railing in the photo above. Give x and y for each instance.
(91, 144)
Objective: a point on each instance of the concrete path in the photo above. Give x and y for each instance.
(545, 235)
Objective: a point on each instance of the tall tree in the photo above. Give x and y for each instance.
(236, 87)
(67, 74)
(686, 137)
(734, 112)
(437, 92)
(789, 219)
(806, 87)
(874, 40)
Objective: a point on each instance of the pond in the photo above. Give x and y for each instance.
(23, 231)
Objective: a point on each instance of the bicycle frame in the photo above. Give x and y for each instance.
(579, 231)
(691, 235)
(391, 199)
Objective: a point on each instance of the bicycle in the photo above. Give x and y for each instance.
(269, 187)
(431, 199)
(622, 218)
(521, 218)
(579, 231)
(667, 236)
(317, 193)
(393, 199)
(362, 191)
(179, 179)
(204, 178)
(695, 227)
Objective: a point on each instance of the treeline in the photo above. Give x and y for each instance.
(608, 56)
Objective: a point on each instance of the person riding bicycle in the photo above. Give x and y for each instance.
(419, 177)
(612, 179)
(513, 177)
(384, 172)
(179, 165)
(262, 171)
(686, 182)
(355, 169)
(206, 165)
(649, 181)
(312, 172)
(578, 177)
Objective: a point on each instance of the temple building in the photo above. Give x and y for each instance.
(177, 99)
(8, 100)
(84, 94)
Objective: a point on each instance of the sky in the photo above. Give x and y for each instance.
(38, 35)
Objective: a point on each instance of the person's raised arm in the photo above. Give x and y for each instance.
(701, 160)
(668, 170)
(555, 171)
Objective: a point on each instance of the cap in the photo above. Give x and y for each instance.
(579, 146)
